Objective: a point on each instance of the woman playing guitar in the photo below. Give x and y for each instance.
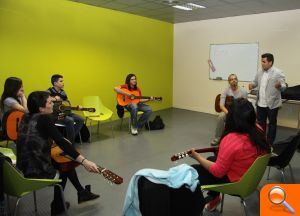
(34, 150)
(134, 102)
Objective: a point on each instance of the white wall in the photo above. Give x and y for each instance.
(276, 32)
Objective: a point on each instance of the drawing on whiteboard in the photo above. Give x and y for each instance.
(211, 65)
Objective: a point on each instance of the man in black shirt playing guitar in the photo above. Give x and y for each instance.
(72, 121)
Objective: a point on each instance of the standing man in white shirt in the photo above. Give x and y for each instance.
(270, 81)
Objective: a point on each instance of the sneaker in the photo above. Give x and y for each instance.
(212, 205)
(134, 131)
(215, 142)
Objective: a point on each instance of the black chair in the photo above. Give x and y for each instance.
(285, 151)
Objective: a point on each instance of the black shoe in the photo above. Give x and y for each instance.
(57, 209)
(86, 195)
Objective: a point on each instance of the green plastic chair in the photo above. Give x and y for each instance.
(101, 114)
(246, 185)
(15, 184)
(9, 153)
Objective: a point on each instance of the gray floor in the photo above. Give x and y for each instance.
(125, 154)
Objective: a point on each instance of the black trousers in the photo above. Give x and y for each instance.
(64, 176)
(160, 200)
(264, 113)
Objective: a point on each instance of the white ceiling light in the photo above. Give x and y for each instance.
(182, 7)
(193, 5)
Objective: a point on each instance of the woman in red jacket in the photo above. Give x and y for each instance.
(241, 143)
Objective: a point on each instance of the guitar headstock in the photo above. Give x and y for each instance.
(91, 109)
(158, 98)
(179, 155)
(110, 176)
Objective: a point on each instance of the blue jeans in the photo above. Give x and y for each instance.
(262, 114)
(133, 109)
(71, 128)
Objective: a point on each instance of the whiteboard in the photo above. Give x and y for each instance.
(236, 58)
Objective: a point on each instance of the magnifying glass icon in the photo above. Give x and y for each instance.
(277, 196)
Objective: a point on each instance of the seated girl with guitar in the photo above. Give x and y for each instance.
(13, 96)
(234, 91)
(34, 150)
(242, 142)
(130, 97)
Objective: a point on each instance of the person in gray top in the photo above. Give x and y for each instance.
(270, 81)
(13, 96)
(235, 91)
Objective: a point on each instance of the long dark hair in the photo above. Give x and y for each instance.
(36, 100)
(241, 118)
(127, 81)
(11, 87)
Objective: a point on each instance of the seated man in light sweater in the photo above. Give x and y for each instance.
(235, 91)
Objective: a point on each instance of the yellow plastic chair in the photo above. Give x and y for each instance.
(15, 184)
(101, 114)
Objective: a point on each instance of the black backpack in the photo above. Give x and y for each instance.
(156, 124)
(85, 134)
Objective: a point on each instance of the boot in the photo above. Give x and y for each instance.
(58, 208)
(86, 195)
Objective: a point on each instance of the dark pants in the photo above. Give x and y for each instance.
(73, 125)
(160, 200)
(264, 113)
(206, 178)
(133, 109)
(64, 176)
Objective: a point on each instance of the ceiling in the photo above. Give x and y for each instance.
(163, 10)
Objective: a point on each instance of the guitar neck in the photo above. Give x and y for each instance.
(109, 175)
(187, 153)
(142, 97)
(77, 108)
(148, 97)
(63, 108)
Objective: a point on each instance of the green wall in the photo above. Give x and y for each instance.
(93, 48)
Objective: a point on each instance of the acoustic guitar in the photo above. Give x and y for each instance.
(228, 102)
(184, 154)
(66, 163)
(135, 97)
(11, 121)
(63, 106)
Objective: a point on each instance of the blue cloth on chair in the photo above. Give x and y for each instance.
(175, 177)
